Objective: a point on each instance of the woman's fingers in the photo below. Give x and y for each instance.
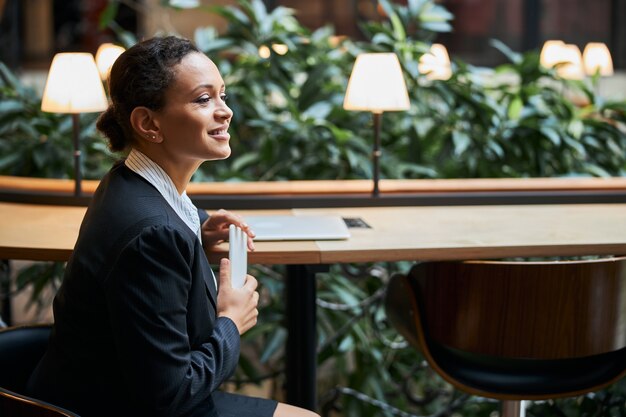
(251, 283)
(219, 222)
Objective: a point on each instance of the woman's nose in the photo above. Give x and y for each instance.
(223, 112)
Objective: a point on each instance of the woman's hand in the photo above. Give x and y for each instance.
(238, 304)
(215, 229)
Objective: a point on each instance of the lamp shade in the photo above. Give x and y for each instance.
(551, 53)
(106, 56)
(571, 61)
(376, 84)
(73, 85)
(597, 58)
(436, 63)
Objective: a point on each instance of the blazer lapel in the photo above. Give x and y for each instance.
(207, 274)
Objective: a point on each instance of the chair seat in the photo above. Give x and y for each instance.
(528, 377)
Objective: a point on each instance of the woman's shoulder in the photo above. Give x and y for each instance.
(125, 204)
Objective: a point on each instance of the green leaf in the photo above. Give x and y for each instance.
(244, 160)
(184, 4)
(551, 134)
(260, 11)
(514, 57)
(436, 14)
(8, 160)
(515, 108)
(346, 345)
(382, 38)
(575, 145)
(597, 171)
(461, 142)
(319, 110)
(204, 36)
(108, 14)
(398, 28)
(416, 6)
(437, 26)
(274, 344)
(576, 128)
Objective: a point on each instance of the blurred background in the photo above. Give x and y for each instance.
(32, 31)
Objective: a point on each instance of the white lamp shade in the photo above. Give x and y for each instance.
(572, 67)
(551, 53)
(73, 85)
(106, 56)
(264, 52)
(280, 48)
(436, 63)
(376, 84)
(597, 58)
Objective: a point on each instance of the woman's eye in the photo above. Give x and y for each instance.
(224, 97)
(203, 99)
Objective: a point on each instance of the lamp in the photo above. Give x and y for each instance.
(597, 59)
(376, 84)
(105, 57)
(264, 52)
(566, 55)
(572, 67)
(280, 48)
(436, 63)
(73, 86)
(551, 53)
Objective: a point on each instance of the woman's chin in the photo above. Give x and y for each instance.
(221, 154)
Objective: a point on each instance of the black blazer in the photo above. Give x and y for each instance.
(135, 329)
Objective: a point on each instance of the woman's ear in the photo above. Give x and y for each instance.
(143, 123)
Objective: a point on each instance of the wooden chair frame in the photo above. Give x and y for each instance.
(452, 310)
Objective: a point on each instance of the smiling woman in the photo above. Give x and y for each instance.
(139, 306)
(192, 126)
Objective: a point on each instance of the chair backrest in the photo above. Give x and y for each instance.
(21, 348)
(516, 329)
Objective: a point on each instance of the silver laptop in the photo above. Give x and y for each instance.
(298, 227)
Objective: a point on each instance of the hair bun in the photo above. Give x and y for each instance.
(107, 124)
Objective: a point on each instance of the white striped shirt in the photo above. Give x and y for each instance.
(155, 175)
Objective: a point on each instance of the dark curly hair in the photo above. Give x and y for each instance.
(140, 77)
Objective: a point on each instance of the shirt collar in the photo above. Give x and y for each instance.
(158, 178)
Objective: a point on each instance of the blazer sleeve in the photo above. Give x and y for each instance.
(203, 215)
(147, 293)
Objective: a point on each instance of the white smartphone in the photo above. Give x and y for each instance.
(238, 255)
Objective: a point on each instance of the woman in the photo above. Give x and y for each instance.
(140, 329)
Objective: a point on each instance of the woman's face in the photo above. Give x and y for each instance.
(194, 121)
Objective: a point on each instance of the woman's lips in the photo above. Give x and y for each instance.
(219, 134)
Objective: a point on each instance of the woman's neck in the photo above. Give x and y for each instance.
(180, 172)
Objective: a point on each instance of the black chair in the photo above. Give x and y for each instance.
(516, 330)
(21, 348)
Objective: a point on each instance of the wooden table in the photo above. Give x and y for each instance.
(40, 232)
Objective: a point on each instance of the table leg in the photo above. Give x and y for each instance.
(302, 338)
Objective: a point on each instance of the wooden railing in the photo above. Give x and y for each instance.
(346, 192)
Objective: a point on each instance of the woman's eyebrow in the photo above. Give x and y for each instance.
(205, 86)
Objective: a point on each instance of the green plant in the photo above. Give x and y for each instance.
(38, 144)
(517, 120)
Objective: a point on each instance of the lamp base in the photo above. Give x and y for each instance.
(76, 140)
(376, 153)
